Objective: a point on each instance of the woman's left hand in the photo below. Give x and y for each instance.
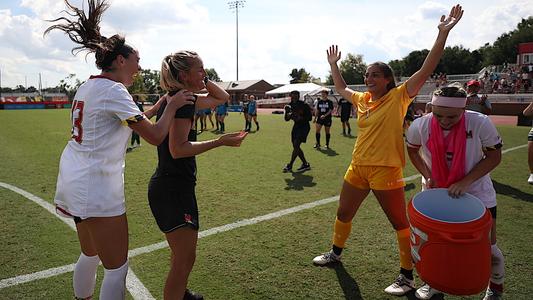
(447, 23)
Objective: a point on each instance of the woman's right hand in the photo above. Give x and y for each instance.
(180, 99)
(334, 55)
(233, 139)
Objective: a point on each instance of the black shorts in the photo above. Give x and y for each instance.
(326, 121)
(253, 115)
(345, 117)
(530, 135)
(299, 133)
(173, 205)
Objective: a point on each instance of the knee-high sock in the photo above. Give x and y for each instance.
(85, 275)
(222, 126)
(114, 284)
(341, 232)
(317, 136)
(328, 136)
(498, 265)
(404, 246)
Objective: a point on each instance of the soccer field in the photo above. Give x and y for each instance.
(283, 225)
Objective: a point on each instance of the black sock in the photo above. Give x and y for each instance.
(338, 251)
(317, 138)
(327, 138)
(257, 124)
(222, 126)
(407, 273)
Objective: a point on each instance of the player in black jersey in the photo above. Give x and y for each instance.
(300, 113)
(345, 111)
(171, 192)
(323, 110)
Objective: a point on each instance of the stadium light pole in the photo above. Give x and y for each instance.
(235, 5)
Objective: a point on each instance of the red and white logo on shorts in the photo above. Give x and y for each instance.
(188, 218)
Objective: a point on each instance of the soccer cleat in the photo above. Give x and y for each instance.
(287, 169)
(400, 286)
(426, 292)
(304, 167)
(327, 147)
(491, 294)
(316, 146)
(326, 259)
(190, 295)
(530, 179)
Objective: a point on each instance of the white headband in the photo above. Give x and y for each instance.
(448, 101)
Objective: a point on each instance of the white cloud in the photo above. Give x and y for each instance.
(274, 37)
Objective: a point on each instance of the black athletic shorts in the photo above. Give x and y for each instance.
(299, 133)
(530, 135)
(173, 204)
(345, 117)
(326, 121)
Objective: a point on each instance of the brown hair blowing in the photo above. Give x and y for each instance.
(171, 66)
(85, 31)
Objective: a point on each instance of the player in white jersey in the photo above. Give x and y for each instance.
(90, 185)
(456, 149)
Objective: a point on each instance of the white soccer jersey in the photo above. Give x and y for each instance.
(481, 133)
(91, 170)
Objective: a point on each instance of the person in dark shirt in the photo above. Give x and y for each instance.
(300, 113)
(171, 191)
(135, 138)
(323, 110)
(345, 108)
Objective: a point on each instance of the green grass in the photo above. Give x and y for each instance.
(268, 260)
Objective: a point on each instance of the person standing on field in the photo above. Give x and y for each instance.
(90, 183)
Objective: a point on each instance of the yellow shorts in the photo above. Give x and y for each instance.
(375, 177)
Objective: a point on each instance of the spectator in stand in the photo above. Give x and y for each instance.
(528, 112)
(476, 102)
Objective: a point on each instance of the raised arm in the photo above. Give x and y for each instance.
(334, 55)
(216, 95)
(417, 80)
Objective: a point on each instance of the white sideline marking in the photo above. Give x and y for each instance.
(161, 245)
(133, 284)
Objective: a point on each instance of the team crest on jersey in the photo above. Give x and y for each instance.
(187, 218)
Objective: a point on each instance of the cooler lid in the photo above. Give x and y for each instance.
(436, 204)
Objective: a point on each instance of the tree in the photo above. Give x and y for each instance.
(458, 60)
(352, 69)
(212, 75)
(300, 76)
(398, 67)
(67, 86)
(505, 48)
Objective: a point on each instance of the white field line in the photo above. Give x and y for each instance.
(133, 284)
(161, 245)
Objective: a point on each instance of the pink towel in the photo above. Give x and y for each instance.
(439, 146)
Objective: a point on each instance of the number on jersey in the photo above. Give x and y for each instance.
(76, 116)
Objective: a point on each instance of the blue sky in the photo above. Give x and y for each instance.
(275, 36)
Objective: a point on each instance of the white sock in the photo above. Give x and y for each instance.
(498, 265)
(84, 278)
(114, 284)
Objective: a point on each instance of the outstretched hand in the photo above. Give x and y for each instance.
(447, 23)
(334, 55)
(233, 139)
